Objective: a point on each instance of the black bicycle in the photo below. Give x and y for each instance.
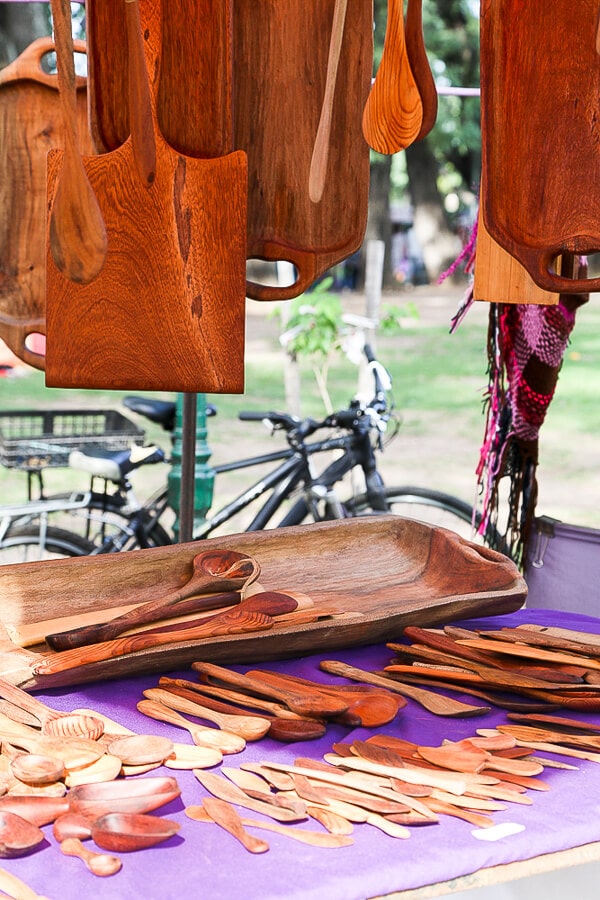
(293, 491)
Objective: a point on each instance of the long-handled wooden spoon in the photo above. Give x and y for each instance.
(77, 235)
(102, 864)
(251, 728)
(202, 736)
(313, 838)
(226, 790)
(320, 154)
(435, 703)
(393, 113)
(419, 65)
(140, 104)
(496, 699)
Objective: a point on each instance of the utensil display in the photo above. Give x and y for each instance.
(393, 113)
(531, 88)
(101, 864)
(435, 703)
(220, 573)
(202, 735)
(18, 836)
(320, 155)
(77, 234)
(180, 327)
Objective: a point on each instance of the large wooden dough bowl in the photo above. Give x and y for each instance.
(381, 573)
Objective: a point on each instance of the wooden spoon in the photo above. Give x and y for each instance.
(18, 836)
(72, 825)
(320, 154)
(251, 728)
(202, 736)
(102, 864)
(123, 832)
(435, 703)
(226, 790)
(533, 733)
(223, 814)
(241, 699)
(77, 235)
(500, 700)
(140, 105)
(393, 113)
(17, 889)
(39, 811)
(419, 65)
(559, 722)
(140, 749)
(73, 724)
(317, 705)
(32, 768)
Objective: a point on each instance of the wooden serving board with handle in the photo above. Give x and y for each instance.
(30, 125)
(424, 576)
(279, 52)
(167, 311)
(540, 100)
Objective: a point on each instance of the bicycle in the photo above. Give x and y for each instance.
(111, 519)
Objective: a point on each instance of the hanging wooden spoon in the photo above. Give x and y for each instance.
(202, 736)
(320, 154)
(77, 235)
(393, 113)
(102, 864)
(419, 65)
(251, 728)
(140, 104)
(435, 703)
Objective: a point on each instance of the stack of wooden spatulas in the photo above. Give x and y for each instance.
(527, 668)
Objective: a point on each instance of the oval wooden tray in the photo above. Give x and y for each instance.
(371, 576)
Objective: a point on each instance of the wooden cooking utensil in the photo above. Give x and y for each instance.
(393, 114)
(251, 728)
(18, 836)
(559, 722)
(435, 703)
(480, 820)
(74, 725)
(542, 639)
(536, 733)
(224, 814)
(531, 652)
(313, 838)
(32, 768)
(277, 710)
(247, 782)
(213, 572)
(225, 790)
(202, 736)
(332, 821)
(500, 700)
(37, 810)
(181, 326)
(16, 888)
(123, 832)
(419, 65)
(317, 705)
(71, 825)
(139, 795)
(320, 155)
(139, 749)
(101, 864)
(140, 102)
(77, 234)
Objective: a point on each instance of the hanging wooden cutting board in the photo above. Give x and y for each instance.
(280, 52)
(167, 311)
(540, 99)
(30, 125)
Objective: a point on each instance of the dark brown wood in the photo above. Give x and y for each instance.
(419, 65)
(425, 576)
(77, 236)
(393, 113)
(533, 87)
(140, 103)
(181, 326)
(540, 639)
(29, 107)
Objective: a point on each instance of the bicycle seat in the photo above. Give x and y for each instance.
(160, 411)
(113, 465)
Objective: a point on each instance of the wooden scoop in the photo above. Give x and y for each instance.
(251, 728)
(102, 864)
(77, 235)
(17, 835)
(317, 705)
(226, 790)
(212, 571)
(435, 703)
(393, 113)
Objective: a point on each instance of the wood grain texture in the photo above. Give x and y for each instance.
(393, 114)
(424, 576)
(540, 100)
(30, 125)
(167, 312)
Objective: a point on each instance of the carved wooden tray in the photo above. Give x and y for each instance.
(371, 576)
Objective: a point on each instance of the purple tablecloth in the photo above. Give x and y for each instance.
(204, 860)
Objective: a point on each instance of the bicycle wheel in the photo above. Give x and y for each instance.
(104, 524)
(432, 507)
(23, 544)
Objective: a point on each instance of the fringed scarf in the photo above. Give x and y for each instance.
(526, 346)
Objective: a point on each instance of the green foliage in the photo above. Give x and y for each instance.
(315, 324)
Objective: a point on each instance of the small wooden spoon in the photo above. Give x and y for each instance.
(320, 154)
(224, 814)
(202, 736)
(102, 864)
(77, 234)
(313, 838)
(72, 825)
(393, 113)
(251, 728)
(32, 768)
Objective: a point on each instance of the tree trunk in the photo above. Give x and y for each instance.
(379, 226)
(20, 24)
(439, 244)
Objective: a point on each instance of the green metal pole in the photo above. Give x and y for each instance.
(204, 476)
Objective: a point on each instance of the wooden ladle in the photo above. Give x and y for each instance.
(77, 234)
(320, 154)
(393, 113)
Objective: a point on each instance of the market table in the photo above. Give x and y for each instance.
(561, 826)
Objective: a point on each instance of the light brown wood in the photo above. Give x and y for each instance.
(77, 234)
(225, 815)
(393, 114)
(251, 728)
(226, 790)
(320, 155)
(137, 795)
(16, 888)
(101, 864)
(202, 735)
(18, 836)
(123, 832)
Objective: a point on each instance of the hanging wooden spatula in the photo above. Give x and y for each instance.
(77, 235)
